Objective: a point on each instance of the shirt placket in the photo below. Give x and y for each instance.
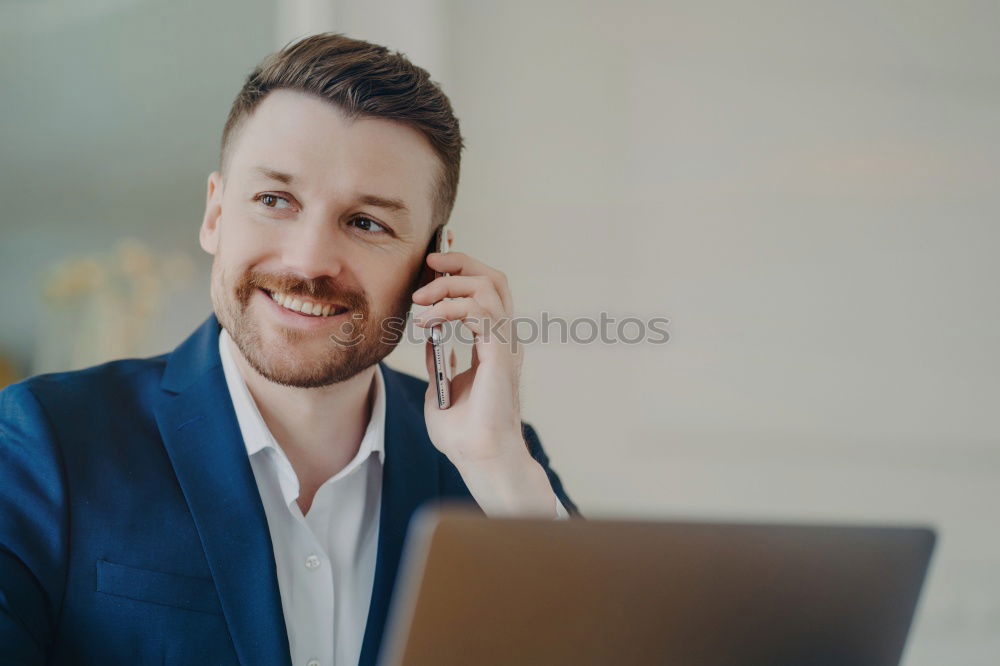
(313, 589)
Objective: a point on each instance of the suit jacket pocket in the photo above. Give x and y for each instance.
(157, 587)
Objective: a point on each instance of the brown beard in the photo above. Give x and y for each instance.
(275, 362)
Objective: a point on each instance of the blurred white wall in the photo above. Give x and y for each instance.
(807, 190)
(111, 113)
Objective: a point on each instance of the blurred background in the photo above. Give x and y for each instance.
(808, 191)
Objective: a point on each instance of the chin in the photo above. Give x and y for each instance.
(305, 362)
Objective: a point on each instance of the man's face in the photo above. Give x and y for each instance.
(316, 209)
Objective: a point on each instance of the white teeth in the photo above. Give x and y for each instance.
(305, 307)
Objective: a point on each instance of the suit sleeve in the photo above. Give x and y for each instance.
(33, 529)
(538, 453)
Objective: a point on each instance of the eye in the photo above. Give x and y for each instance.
(368, 225)
(273, 201)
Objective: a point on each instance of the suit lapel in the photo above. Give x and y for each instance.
(201, 434)
(202, 437)
(411, 477)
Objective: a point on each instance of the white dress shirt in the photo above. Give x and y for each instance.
(325, 560)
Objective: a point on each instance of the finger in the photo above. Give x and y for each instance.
(453, 362)
(459, 263)
(478, 287)
(490, 337)
(466, 310)
(476, 316)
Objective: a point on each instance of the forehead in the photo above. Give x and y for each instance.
(332, 155)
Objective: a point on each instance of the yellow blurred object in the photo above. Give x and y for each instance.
(102, 306)
(73, 279)
(7, 373)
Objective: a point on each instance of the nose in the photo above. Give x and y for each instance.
(314, 249)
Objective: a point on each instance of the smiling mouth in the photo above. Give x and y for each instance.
(300, 305)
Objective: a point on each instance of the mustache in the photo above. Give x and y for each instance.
(320, 289)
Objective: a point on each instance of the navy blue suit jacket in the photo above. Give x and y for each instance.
(131, 528)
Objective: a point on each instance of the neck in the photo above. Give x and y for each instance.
(319, 429)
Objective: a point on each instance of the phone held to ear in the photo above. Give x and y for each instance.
(441, 380)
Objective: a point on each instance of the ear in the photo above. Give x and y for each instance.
(208, 236)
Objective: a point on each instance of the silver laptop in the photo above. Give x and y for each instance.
(492, 592)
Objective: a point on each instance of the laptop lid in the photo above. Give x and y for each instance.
(524, 591)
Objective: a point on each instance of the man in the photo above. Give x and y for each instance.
(244, 498)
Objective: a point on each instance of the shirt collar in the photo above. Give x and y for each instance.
(257, 436)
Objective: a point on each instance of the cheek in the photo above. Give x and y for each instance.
(389, 284)
(241, 244)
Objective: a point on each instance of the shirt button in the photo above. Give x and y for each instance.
(313, 662)
(312, 563)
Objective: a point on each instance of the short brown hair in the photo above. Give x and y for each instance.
(363, 80)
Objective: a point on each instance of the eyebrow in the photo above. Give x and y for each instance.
(394, 205)
(388, 203)
(272, 174)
